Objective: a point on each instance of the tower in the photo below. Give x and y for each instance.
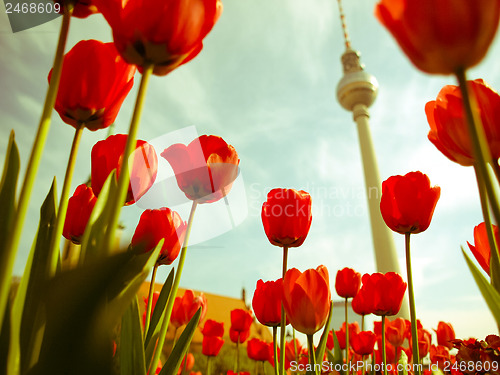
(356, 92)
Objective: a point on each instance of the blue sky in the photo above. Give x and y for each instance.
(266, 82)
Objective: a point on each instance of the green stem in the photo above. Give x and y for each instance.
(384, 361)
(296, 355)
(414, 333)
(63, 203)
(263, 367)
(127, 158)
(480, 148)
(362, 322)
(363, 358)
(12, 243)
(496, 169)
(208, 365)
(150, 300)
(283, 316)
(275, 345)
(312, 357)
(346, 336)
(173, 293)
(237, 359)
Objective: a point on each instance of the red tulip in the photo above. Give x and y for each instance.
(186, 306)
(266, 302)
(213, 328)
(440, 37)
(445, 334)
(229, 372)
(330, 344)
(294, 352)
(360, 304)
(212, 337)
(107, 155)
(306, 298)
(363, 342)
(347, 282)
(155, 225)
(408, 202)
(81, 8)
(424, 342)
(353, 329)
(440, 355)
(481, 249)
(80, 206)
(259, 350)
(384, 292)
(165, 33)
(449, 131)
(395, 331)
(287, 217)
(205, 169)
(94, 83)
(211, 345)
(241, 321)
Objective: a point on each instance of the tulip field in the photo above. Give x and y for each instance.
(76, 310)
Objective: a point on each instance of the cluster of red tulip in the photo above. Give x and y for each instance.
(50, 328)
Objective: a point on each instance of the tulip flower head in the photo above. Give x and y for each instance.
(259, 350)
(481, 248)
(186, 306)
(441, 37)
(395, 331)
(155, 225)
(363, 342)
(440, 355)
(212, 338)
(384, 292)
(80, 207)
(95, 81)
(353, 329)
(107, 155)
(266, 302)
(347, 283)
(306, 298)
(164, 33)
(286, 216)
(408, 202)
(205, 169)
(445, 335)
(448, 125)
(360, 304)
(241, 321)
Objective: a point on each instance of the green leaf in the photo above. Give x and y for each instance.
(80, 324)
(337, 358)
(95, 232)
(157, 315)
(181, 347)
(131, 349)
(403, 363)
(130, 278)
(320, 351)
(8, 192)
(5, 337)
(7, 211)
(489, 293)
(35, 276)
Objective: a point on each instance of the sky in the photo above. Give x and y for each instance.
(266, 83)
